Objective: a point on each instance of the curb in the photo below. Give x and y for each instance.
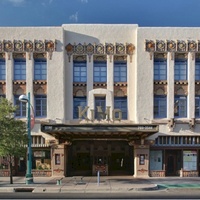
(70, 190)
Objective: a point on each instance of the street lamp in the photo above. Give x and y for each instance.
(29, 175)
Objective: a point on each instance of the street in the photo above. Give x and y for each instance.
(159, 194)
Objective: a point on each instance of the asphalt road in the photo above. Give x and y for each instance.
(160, 194)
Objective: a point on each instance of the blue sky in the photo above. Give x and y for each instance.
(180, 13)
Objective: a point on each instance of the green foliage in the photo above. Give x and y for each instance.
(13, 134)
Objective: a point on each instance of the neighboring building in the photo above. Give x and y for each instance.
(119, 99)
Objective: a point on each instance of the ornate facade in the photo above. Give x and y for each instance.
(119, 99)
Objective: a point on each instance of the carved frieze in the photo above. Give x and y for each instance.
(19, 46)
(172, 46)
(100, 49)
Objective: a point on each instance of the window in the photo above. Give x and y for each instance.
(120, 72)
(197, 106)
(80, 72)
(160, 69)
(40, 106)
(19, 69)
(40, 69)
(100, 72)
(2, 70)
(180, 106)
(21, 107)
(160, 106)
(78, 101)
(180, 70)
(121, 103)
(100, 101)
(197, 70)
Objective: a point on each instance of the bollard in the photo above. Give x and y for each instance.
(59, 182)
(98, 178)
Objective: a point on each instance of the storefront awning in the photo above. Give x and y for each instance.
(100, 131)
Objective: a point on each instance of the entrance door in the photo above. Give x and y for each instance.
(173, 162)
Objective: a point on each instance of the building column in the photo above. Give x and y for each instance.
(9, 76)
(30, 75)
(170, 85)
(191, 85)
(89, 74)
(58, 160)
(141, 161)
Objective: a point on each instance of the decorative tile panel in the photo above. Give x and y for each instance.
(89, 49)
(28, 46)
(109, 49)
(7, 45)
(18, 46)
(160, 45)
(171, 46)
(120, 48)
(150, 45)
(39, 45)
(192, 46)
(99, 49)
(79, 49)
(181, 46)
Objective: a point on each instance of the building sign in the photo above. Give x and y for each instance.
(100, 128)
(116, 114)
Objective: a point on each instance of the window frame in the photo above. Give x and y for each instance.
(177, 106)
(42, 107)
(161, 108)
(2, 70)
(21, 63)
(123, 109)
(81, 71)
(178, 72)
(100, 71)
(21, 107)
(78, 101)
(158, 63)
(41, 74)
(120, 68)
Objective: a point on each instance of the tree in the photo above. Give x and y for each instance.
(13, 134)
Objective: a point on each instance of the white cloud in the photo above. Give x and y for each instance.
(17, 2)
(84, 1)
(74, 17)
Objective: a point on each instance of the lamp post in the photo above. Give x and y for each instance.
(29, 175)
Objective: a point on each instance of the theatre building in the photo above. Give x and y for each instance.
(119, 99)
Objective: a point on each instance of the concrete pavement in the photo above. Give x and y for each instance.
(107, 184)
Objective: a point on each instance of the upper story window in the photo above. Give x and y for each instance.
(100, 103)
(197, 70)
(40, 105)
(40, 69)
(180, 69)
(180, 106)
(80, 71)
(120, 71)
(197, 106)
(19, 69)
(121, 104)
(160, 69)
(21, 107)
(100, 71)
(78, 101)
(160, 106)
(2, 70)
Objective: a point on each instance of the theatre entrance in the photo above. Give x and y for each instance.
(108, 157)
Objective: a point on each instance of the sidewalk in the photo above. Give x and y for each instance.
(107, 184)
(77, 184)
